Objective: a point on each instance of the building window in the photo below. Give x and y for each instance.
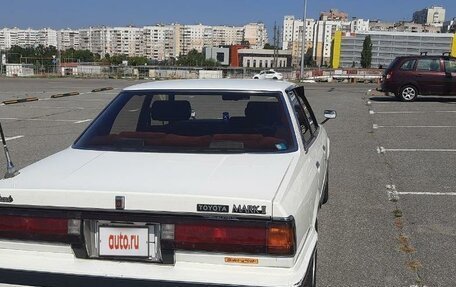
(254, 63)
(261, 63)
(248, 63)
(220, 57)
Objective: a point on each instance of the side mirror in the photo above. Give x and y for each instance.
(329, 115)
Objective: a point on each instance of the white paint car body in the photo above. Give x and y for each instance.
(268, 75)
(83, 185)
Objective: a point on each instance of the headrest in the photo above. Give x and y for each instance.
(171, 110)
(263, 112)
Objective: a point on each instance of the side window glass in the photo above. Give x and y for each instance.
(308, 114)
(408, 65)
(428, 65)
(301, 117)
(450, 66)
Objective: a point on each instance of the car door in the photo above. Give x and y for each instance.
(320, 153)
(450, 77)
(430, 76)
(308, 167)
(269, 75)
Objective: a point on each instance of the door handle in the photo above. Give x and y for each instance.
(324, 148)
(318, 165)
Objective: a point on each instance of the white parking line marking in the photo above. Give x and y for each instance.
(428, 193)
(384, 150)
(411, 112)
(83, 121)
(40, 120)
(406, 127)
(13, 138)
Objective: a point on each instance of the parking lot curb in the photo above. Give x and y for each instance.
(102, 89)
(65, 95)
(18, 101)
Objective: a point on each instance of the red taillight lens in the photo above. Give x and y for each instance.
(36, 228)
(219, 237)
(234, 237)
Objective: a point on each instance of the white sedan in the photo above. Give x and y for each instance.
(268, 74)
(175, 183)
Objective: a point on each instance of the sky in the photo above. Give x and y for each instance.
(83, 13)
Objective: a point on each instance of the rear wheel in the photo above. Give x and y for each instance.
(311, 274)
(408, 93)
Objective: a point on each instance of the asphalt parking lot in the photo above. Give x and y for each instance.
(390, 220)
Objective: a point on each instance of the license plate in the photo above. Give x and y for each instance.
(124, 241)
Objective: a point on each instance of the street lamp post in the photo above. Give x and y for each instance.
(304, 32)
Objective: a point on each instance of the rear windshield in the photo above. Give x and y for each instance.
(192, 122)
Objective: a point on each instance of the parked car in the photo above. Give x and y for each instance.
(268, 74)
(411, 76)
(175, 183)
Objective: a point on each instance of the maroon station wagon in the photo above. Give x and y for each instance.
(410, 76)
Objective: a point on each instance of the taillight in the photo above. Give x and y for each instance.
(39, 229)
(389, 75)
(276, 238)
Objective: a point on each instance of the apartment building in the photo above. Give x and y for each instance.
(434, 15)
(160, 42)
(27, 37)
(227, 35)
(126, 41)
(292, 36)
(319, 35)
(157, 42)
(67, 38)
(96, 39)
(256, 34)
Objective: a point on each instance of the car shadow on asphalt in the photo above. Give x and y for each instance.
(448, 100)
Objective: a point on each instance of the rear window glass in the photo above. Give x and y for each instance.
(192, 122)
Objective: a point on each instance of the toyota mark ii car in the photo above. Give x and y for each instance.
(179, 183)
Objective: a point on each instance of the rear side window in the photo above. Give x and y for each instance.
(408, 65)
(428, 65)
(450, 66)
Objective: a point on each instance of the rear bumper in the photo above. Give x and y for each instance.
(60, 268)
(45, 279)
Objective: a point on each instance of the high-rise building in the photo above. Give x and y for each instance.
(292, 36)
(68, 38)
(160, 42)
(157, 42)
(432, 16)
(256, 34)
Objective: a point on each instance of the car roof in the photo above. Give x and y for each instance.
(214, 84)
(425, 57)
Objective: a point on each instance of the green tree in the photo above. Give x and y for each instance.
(366, 54)
(268, 46)
(196, 59)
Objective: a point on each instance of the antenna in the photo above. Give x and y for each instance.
(10, 169)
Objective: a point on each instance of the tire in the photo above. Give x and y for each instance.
(408, 93)
(310, 280)
(275, 78)
(256, 78)
(325, 195)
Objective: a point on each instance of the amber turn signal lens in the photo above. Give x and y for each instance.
(281, 239)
